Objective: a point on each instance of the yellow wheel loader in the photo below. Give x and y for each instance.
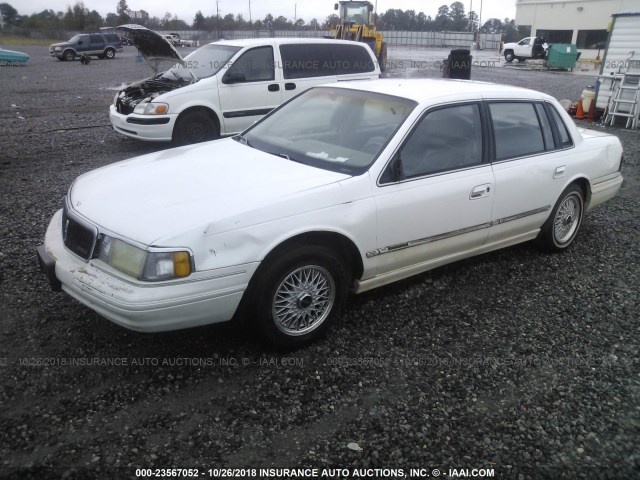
(357, 23)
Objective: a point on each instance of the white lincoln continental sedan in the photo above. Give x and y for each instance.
(345, 188)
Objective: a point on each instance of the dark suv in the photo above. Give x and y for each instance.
(101, 45)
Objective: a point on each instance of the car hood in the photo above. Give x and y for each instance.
(223, 183)
(150, 44)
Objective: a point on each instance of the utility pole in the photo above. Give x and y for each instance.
(470, 18)
(249, 14)
(218, 18)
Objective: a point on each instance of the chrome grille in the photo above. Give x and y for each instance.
(77, 236)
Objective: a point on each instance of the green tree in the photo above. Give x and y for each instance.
(199, 21)
(442, 21)
(457, 18)
(8, 13)
(123, 12)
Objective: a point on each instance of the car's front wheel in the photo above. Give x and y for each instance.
(563, 224)
(509, 56)
(69, 55)
(297, 295)
(109, 53)
(195, 127)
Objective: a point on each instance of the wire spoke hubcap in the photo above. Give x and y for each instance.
(567, 219)
(303, 300)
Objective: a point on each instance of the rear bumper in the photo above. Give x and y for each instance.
(604, 189)
(143, 127)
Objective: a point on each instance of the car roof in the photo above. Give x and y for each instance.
(254, 42)
(426, 90)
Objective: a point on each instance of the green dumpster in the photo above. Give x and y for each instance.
(562, 55)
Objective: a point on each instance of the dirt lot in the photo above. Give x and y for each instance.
(517, 361)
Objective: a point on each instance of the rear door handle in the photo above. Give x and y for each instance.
(274, 87)
(289, 86)
(559, 172)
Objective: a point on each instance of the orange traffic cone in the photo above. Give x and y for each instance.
(592, 111)
(580, 111)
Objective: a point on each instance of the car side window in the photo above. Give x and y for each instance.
(516, 129)
(255, 65)
(96, 39)
(565, 139)
(304, 61)
(352, 59)
(448, 138)
(83, 40)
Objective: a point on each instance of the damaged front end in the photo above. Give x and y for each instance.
(156, 50)
(145, 91)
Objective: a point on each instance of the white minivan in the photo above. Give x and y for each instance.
(225, 86)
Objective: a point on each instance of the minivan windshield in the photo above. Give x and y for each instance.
(204, 62)
(337, 129)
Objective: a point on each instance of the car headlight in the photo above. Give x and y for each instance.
(151, 108)
(58, 49)
(143, 265)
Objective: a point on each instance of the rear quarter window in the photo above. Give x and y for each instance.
(306, 60)
(352, 59)
(564, 139)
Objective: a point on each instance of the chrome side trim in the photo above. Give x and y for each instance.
(454, 233)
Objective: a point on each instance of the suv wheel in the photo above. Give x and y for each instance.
(109, 53)
(69, 55)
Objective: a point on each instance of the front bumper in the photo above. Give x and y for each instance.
(143, 127)
(205, 298)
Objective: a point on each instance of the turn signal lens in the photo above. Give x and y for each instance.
(181, 264)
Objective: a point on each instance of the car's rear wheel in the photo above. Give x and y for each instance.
(297, 295)
(69, 55)
(195, 127)
(509, 56)
(109, 53)
(383, 57)
(563, 224)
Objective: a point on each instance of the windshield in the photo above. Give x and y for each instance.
(74, 39)
(331, 128)
(204, 62)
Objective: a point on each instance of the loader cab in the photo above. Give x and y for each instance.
(354, 13)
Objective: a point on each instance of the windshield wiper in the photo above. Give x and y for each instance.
(243, 139)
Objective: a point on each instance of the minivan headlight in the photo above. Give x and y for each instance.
(151, 108)
(143, 265)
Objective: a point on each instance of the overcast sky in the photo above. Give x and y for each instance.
(306, 9)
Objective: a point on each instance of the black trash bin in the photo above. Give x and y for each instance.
(458, 64)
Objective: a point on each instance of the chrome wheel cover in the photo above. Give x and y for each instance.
(303, 300)
(567, 220)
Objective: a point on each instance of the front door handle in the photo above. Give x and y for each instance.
(289, 86)
(559, 172)
(480, 191)
(274, 87)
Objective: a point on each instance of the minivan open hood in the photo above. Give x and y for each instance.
(151, 45)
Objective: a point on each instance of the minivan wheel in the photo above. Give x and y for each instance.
(297, 296)
(509, 56)
(109, 53)
(69, 55)
(563, 224)
(195, 127)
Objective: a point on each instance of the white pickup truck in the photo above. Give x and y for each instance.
(530, 47)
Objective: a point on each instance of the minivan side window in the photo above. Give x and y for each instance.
(352, 59)
(516, 129)
(448, 138)
(255, 65)
(304, 61)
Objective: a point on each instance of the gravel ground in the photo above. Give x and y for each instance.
(517, 361)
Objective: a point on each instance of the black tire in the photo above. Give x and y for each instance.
(562, 226)
(383, 57)
(195, 127)
(297, 295)
(109, 53)
(509, 56)
(69, 55)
